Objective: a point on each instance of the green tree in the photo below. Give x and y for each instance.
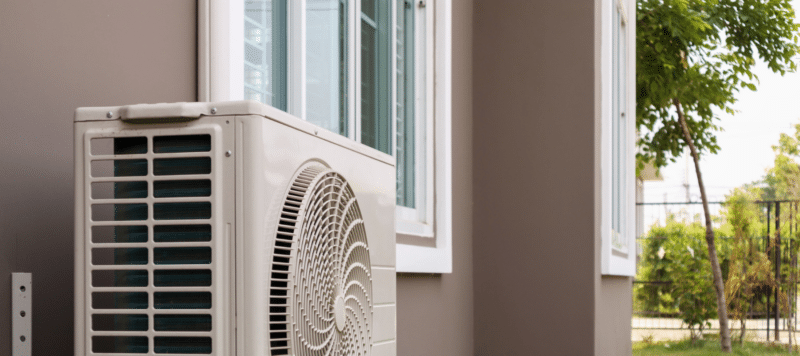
(783, 179)
(782, 182)
(749, 268)
(692, 58)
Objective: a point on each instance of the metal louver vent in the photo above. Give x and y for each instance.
(149, 244)
(321, 299)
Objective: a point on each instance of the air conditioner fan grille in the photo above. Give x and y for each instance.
(321, 282)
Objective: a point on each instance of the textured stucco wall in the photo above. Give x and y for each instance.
(435, 312)
(56, 56)
(526, 283)
(533, 153)
(614, 316)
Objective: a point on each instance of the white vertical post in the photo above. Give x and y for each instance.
(203, 65)
(296, 59)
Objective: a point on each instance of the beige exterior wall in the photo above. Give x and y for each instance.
(614, 317)
(435, 312)
(54, 57)
(538, 288)
(534, 243)
(526, 284)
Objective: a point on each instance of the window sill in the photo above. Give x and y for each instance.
(423, 259)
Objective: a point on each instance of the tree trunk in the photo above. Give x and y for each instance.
(743, 294)
(744, 328)
(719, 286)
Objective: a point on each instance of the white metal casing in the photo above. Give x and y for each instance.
(256, 152)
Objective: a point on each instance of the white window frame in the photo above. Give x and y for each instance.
(221, 78)
(616, 261)
(419, 222)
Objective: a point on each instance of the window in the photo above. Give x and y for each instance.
(413, 102)
(618, 126)
(264, 49)
(326, 71)
(618, 221)
(365, 69)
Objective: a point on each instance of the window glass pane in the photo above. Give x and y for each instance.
(368, 8)
(376, 128)
(326, 64)
(405, 104)
(265, 52)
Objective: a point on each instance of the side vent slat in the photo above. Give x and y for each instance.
(279, 309)
(151, 260)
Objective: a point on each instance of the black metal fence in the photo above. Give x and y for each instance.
(773, 309)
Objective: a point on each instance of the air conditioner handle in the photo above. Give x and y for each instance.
(164, 112)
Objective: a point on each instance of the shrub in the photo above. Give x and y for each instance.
(677, 253)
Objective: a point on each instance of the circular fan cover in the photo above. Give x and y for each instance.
(321, 283)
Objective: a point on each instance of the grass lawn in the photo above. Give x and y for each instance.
(704, 348)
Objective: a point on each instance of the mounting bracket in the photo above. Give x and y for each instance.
(21, 314)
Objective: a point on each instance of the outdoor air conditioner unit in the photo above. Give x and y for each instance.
(229, 229)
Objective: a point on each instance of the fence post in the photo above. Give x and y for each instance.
(793, 254)
(766, 248)
(777, 253)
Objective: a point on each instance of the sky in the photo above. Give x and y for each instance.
(745, 145)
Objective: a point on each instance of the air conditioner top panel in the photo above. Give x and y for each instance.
(185, 111)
